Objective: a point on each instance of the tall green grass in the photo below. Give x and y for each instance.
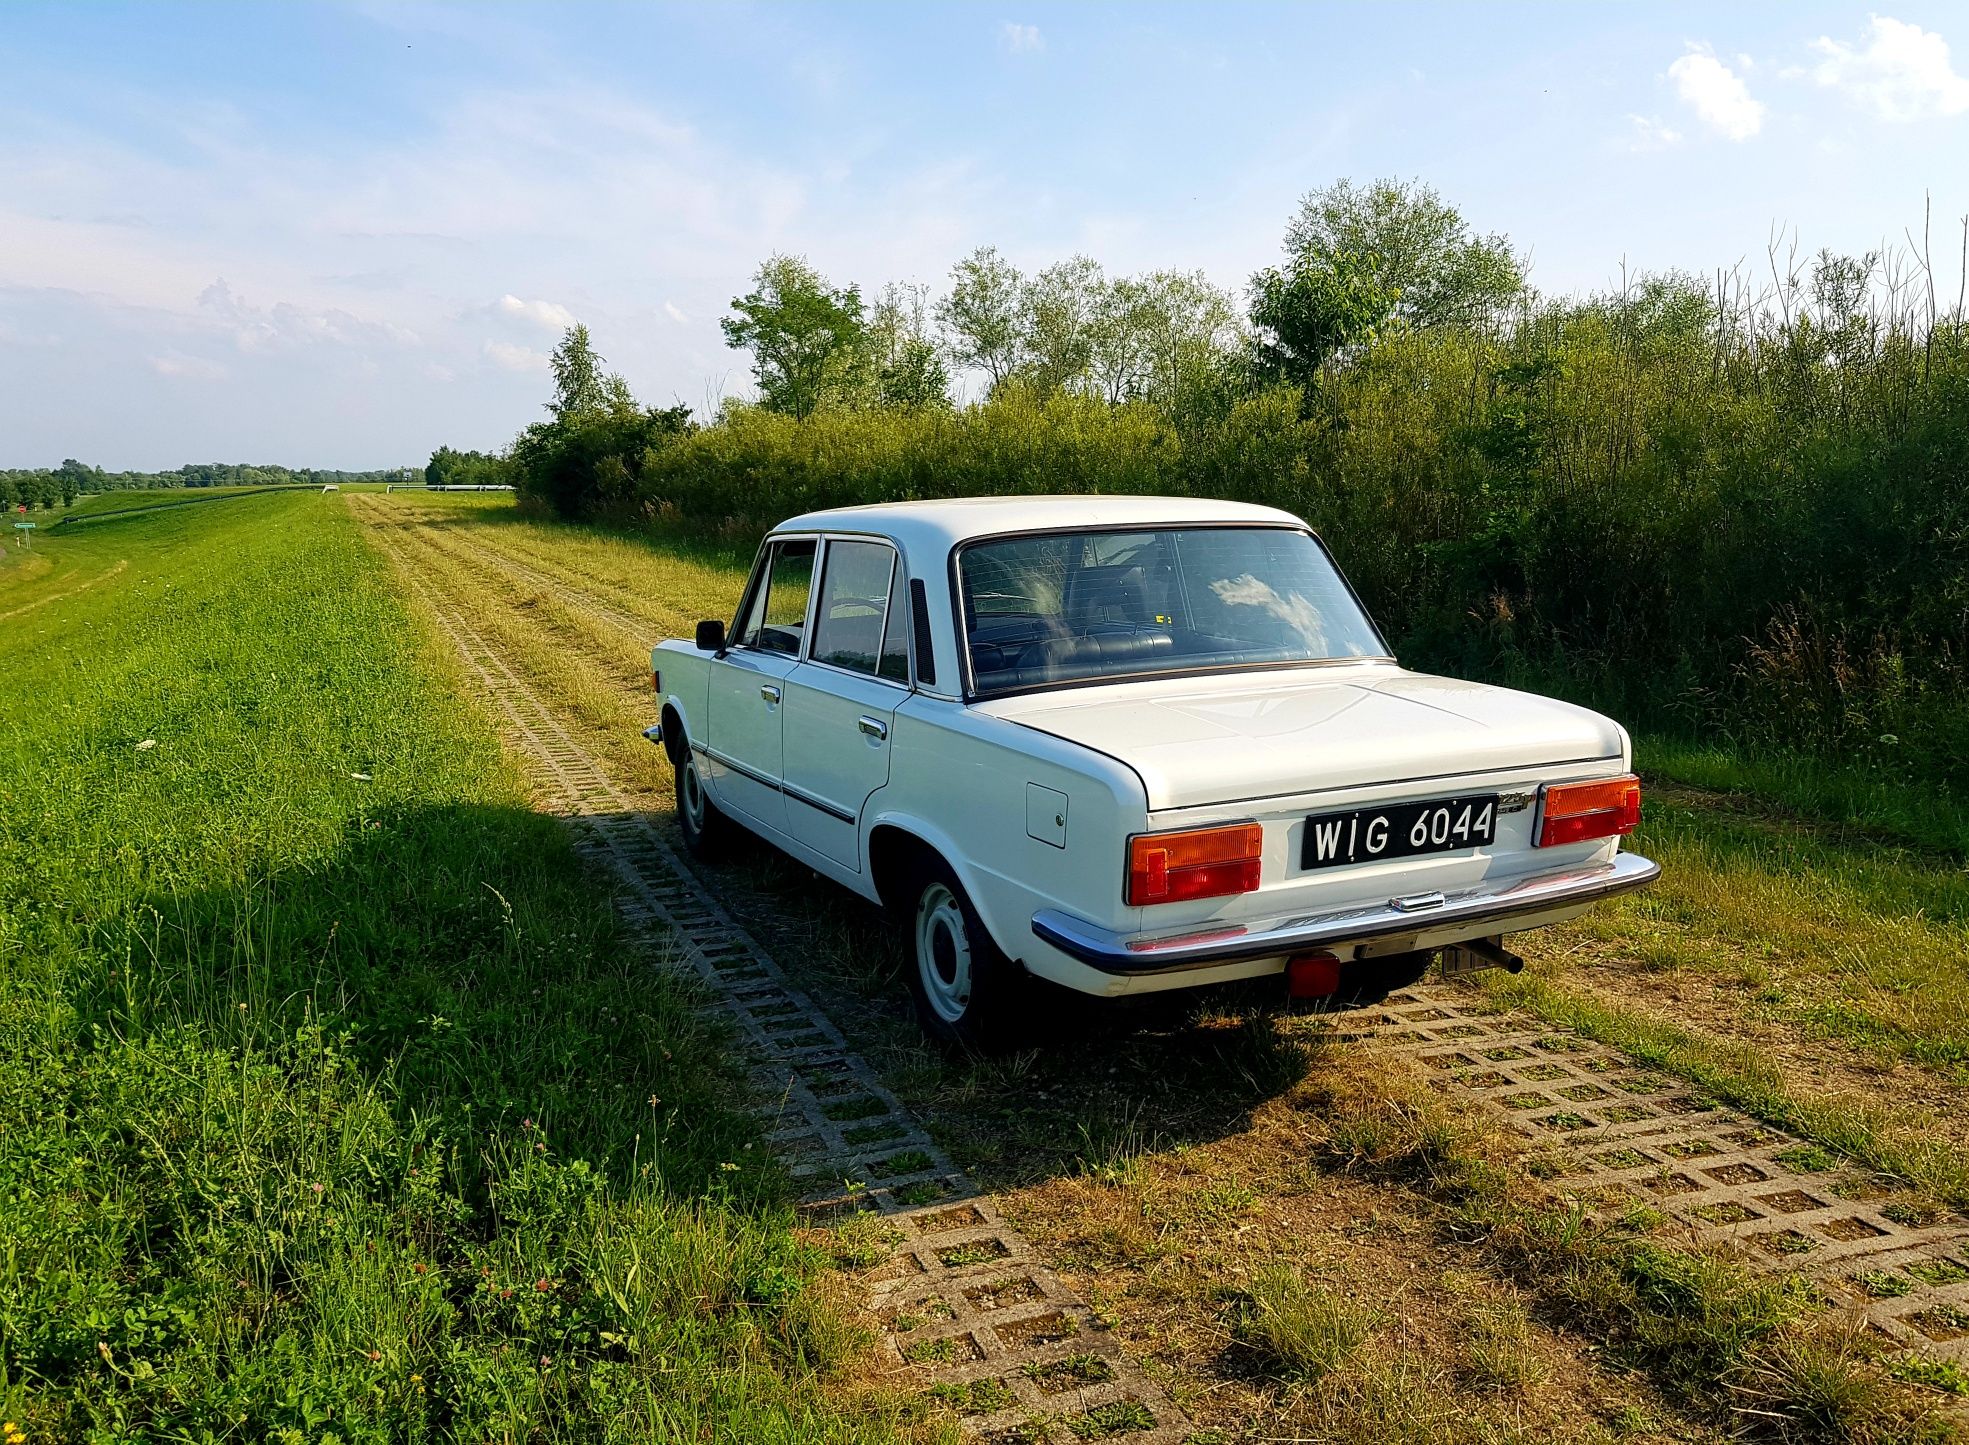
(333, 1103)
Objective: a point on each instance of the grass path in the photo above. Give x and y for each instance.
(333, 1101)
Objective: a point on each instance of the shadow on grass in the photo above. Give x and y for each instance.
(1101, 1081)
(465, 952)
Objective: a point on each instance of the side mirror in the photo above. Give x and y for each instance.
(711, 636)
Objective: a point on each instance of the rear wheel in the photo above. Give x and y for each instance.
(966, 989)
(707, 832)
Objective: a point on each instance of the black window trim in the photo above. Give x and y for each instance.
(962, 636)
(922, 643)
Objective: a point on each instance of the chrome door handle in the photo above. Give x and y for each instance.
(873, 726)
(769, 693)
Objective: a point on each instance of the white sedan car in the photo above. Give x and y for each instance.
(1128, 744)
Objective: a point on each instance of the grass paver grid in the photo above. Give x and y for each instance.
(942, 1253)
(1721, 1174)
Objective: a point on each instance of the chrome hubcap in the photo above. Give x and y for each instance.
(943, 953)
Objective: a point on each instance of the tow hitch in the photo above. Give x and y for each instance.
(1476, 955)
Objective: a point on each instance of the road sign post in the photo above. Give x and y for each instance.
(23, 528)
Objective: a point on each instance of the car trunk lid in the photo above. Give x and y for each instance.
(1208, 741)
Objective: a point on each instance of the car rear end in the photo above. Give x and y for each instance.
(1310, 807)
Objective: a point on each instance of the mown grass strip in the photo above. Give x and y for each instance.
(333, 1100)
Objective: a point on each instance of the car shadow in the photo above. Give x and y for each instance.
(1098, 1081)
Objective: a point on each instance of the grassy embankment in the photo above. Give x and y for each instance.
(333, 1104)
(102, 506)
(1164, 1171)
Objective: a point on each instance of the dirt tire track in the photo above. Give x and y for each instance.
(62, 596)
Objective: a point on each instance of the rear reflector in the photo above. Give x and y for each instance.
(1312, 975)
(656, 682)
(1577, 812)
(1206, 863)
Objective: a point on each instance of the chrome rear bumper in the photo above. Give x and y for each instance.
(1485, 909)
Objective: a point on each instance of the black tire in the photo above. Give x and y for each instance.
(967, 992)
(708, 833)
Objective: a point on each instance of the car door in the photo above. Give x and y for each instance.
(841, 700)
(746, 697)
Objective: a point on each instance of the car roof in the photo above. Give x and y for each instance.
(944, 523)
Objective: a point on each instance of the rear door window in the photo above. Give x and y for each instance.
(854, 605)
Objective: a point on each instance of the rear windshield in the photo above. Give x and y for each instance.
(1094, 606)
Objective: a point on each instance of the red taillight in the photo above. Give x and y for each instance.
(1575, 812)
(1207, 863)
(656, 682)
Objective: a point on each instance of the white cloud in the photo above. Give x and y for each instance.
(187, 368)
(671, 310)
(1651, 133)
(1716, 94)
(506, 355)
(1900, 72)
(1021, 38)
(285, 326)
(546, 314)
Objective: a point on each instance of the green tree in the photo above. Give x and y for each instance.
(1118, 339)
(1155, 337)
(806, 337)
(1306, 312)
(1421, 249)
(581, 387)
(984, 314)
(75, 477)
(449, 468)
(1059, 306)
(905, 361)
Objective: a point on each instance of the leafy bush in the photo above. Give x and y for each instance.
(1609, 499)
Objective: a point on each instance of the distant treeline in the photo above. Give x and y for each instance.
(1736, 503)
(59, 486)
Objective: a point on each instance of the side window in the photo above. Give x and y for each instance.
(778, 614)
(854, 598)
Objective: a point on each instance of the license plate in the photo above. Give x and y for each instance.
(1402, 830)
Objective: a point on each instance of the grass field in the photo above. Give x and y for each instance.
(334, 1105)
(1172, 1167)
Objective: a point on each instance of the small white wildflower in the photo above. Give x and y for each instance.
(146, 745)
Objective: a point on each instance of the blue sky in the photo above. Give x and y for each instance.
(341, 234)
